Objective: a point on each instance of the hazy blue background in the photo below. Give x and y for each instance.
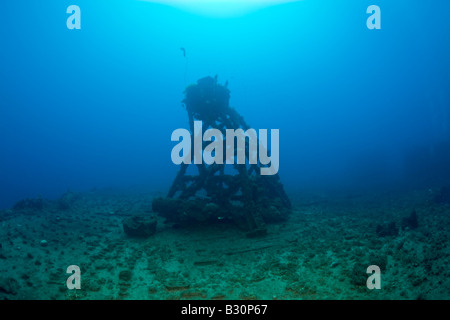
(356, 108)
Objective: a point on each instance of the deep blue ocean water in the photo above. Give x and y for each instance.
(357, 109)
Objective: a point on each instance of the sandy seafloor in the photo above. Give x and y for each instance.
(321, 252)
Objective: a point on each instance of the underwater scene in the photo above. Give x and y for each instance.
(224, 150)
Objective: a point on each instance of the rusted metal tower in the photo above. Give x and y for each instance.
(244, 196)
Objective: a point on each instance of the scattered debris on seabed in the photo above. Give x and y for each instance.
(321, 252)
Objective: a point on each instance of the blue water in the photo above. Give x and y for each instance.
(95, 107)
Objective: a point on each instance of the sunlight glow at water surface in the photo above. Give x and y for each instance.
(220, 8)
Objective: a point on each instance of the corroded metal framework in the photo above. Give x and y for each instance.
(247, 198)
